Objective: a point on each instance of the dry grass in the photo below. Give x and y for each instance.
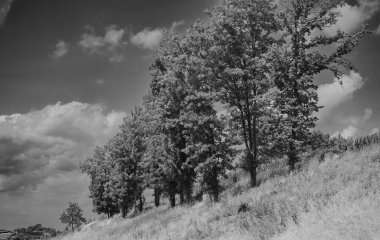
(336, 199)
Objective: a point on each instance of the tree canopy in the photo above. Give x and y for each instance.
(242, 80)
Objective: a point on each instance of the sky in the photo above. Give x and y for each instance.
(70, 71)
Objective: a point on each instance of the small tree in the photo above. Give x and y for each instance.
(72, 216)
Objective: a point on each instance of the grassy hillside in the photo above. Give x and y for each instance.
(336, 199)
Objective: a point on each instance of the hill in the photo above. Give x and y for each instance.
(338, 198)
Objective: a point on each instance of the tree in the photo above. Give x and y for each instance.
(72, 216)
(189, 119)
(240, 36)
(170, 89)
(115, 170)
(218, 159)
(126, 151)
(160, 173)
(99, 167)
(297, 59)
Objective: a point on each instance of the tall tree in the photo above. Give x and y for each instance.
(298, 58)
(73, 216)
(116, 170)
(240, 36)
(188, 113)
(160, 172)
(127, 150)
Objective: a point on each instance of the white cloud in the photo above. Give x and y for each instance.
(148, 39)
(151, 39)
(333, 94)
(348, 132)
(92, 44)
(354, 123)
(50, 142)
(375, 131)
(112, 42)
(40, 153)
(61, 49)
(353, 17)
(359, 120)
(4, 10)
(113, 37)
(176, 24)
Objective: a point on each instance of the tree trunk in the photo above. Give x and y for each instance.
(252, 169)
(185, 193)
(156, 197)
(188, 193)
(124, 208)
(172, 199)
(254, 160)
(292, 162)
(124, 212)
(215, 185)
(141, 204)
(255, 149)
(216, 193)
(72, 227)
(181, 196)
(292, 157)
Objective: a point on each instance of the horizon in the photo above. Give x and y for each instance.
(71, 71)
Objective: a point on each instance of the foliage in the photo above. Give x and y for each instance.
(189, 120)
(240, 36)
(72, 216)
(98, 167)
(256, 59)
(126, 150)
(297, 59)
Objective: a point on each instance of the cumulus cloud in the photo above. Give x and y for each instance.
(375, 131)
(50, 142)
(353, 17)
(147, 39)
(176, 24)
(151, 38)
(61, 49)
(354, 123)
(348, 132)
(359, 120)
(109, 43)
(333, 94)
(5, 7)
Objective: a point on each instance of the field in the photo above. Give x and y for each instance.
(335, 199)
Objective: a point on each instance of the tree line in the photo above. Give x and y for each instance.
(340, 144)
(240, 82)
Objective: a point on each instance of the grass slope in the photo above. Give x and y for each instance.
(336, 199)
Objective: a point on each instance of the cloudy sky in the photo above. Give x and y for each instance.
(69, 70)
